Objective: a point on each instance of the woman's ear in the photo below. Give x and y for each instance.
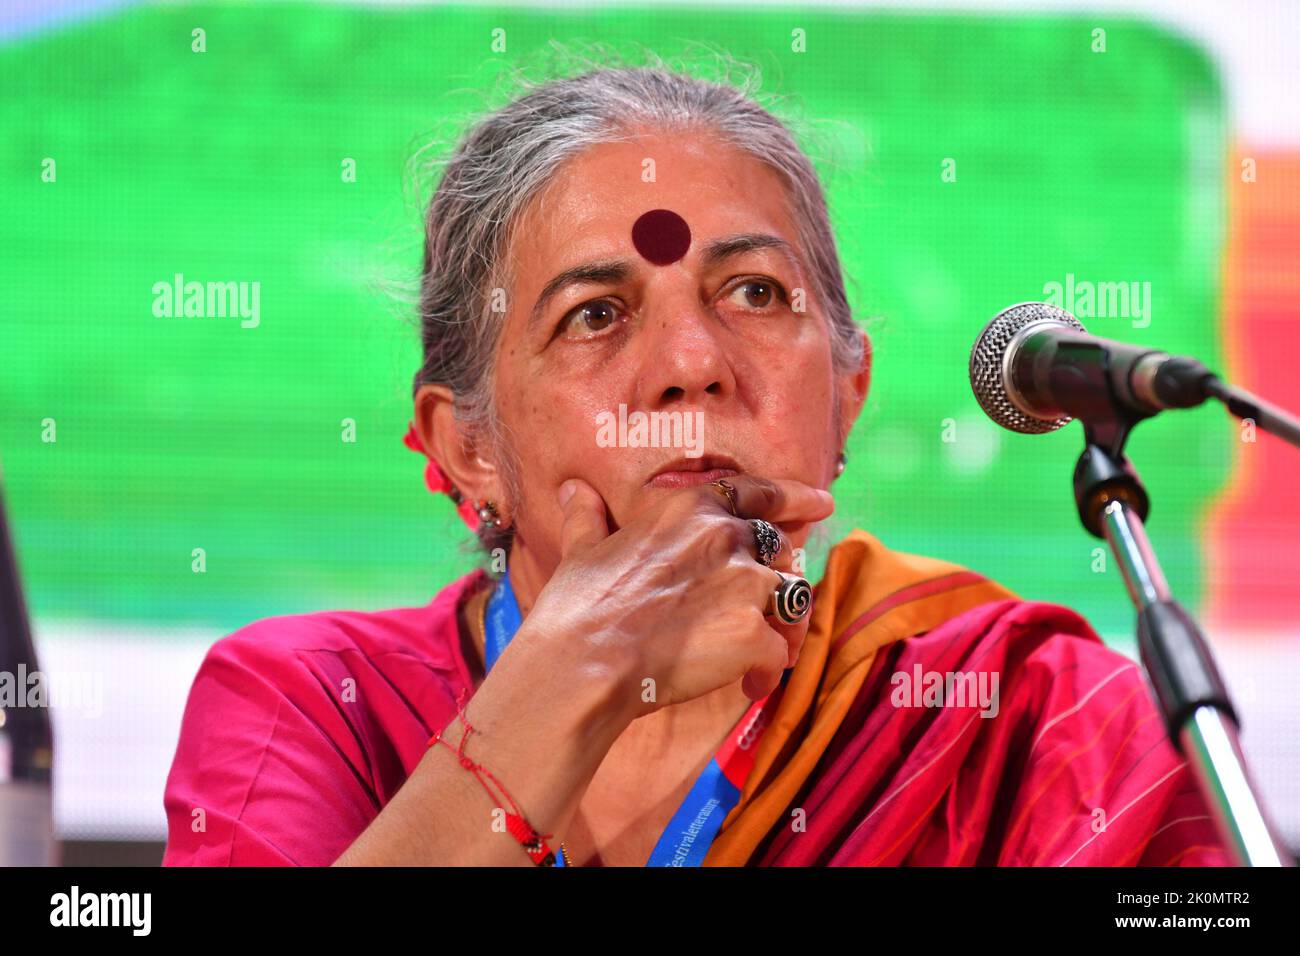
(475, 476)
(853, 389)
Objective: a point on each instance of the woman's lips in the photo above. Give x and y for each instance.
(685, 479)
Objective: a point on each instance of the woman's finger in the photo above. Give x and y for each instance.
(585, 524)
(794, 635)
(772, 499)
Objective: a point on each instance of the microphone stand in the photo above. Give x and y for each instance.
(1199, 715)
(27, 836)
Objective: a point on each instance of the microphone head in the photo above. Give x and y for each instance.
(988, 364)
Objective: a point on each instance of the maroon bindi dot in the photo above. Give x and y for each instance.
(661, 236)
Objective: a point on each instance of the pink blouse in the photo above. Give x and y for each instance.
(299, 729)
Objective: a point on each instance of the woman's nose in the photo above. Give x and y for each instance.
(685, 355)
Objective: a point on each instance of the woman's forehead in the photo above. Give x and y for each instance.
(712, 186)
(597, 223)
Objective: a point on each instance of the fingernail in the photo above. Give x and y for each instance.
(567, 491)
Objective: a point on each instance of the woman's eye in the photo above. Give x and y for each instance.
(758, 293)
(590, 317)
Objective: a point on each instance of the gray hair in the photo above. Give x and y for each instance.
(503, 165)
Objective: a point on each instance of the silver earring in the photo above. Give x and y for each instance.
(487, 513)
(839, 465)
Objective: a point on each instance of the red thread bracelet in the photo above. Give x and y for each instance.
(534, 843)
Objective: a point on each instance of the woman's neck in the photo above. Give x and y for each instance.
(528, 575)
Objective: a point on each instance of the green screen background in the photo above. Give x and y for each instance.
(175, 434)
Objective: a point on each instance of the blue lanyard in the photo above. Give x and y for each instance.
(501, 620)
(694, 826)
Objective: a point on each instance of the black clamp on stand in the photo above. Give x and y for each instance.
(1197, 710)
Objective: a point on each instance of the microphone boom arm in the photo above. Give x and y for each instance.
(1266, 416)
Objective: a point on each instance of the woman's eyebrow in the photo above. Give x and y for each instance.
(717, 251)
(615, 270)
(713, 253)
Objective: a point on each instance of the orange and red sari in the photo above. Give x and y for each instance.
(870, 761)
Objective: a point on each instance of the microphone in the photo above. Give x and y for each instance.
(1035, 368)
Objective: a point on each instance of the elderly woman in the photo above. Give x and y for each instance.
(633, 683)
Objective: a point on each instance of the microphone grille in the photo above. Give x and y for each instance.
(986, 356)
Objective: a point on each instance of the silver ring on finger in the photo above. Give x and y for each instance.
(790, 600)
(767, 539)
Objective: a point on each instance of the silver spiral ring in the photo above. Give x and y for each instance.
(790, 600)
